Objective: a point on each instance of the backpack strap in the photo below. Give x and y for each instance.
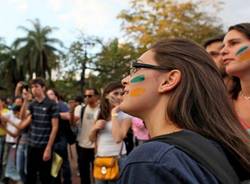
(204, 152)
(82, 113)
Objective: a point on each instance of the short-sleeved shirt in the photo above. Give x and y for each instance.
(64, 125)
(40, 128)
(89, 118)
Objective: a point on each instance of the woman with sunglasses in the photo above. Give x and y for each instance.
(111, 126)
(178, 91)
(236, 58)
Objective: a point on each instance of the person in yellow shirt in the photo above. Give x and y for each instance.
(3, 110)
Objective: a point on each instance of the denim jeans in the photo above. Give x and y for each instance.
(21, 161)
(11, 170)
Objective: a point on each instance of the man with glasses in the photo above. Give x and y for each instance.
(85, 148)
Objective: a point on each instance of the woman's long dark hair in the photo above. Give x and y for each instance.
(105, 107)
(243, 28)
(200, 102)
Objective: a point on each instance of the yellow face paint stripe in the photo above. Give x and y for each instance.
(243, 53)
(245, 56)
(137, 92)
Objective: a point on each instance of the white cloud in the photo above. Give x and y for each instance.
(91, 16)
(56, 5)
(20, 5)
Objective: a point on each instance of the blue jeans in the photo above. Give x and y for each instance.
(21, 161)
(11, 170)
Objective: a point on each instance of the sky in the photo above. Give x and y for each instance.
(92, 17)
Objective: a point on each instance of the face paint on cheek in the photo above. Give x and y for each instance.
(137, 79)
(137, 92)
(243, 53)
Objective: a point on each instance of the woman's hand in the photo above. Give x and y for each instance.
(114, 101)
(100, 124)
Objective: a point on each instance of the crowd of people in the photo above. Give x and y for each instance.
(185, 105)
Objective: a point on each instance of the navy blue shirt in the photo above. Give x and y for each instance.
(64, 125)
(40, 128)
(161, 163)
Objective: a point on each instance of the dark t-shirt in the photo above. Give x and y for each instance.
(64, 125)
(40, 128)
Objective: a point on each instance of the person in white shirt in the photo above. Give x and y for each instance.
(85, 148)
(112, 125)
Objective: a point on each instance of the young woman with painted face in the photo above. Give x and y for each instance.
(112, 125)
(236, 58)
(176, 89)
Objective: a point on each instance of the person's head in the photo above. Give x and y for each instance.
(16, 109)
(213, 46)
(236, 40)
(18, 101)
(25, 91)
(237, 63)
(91, 96)
(3, 102)
(179, 78)
(112, 96)
(37, 87)
(53, 95)
(78, 100)
(179, 74)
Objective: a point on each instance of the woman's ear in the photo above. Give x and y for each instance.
(169, 81)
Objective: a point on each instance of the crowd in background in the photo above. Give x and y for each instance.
(37, 122)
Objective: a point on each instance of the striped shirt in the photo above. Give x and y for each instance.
(40, 128)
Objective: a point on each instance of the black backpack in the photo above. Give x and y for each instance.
(208, 155)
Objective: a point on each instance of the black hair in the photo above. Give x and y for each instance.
(39, 81)
(218, 38)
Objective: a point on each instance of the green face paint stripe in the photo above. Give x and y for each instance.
(242, 49)
(138, 78)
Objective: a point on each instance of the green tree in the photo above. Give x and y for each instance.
(36, 51)
(10, 71)
(113, 62)
(146, 21)
(79, 59)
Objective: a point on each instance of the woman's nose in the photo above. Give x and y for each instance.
(125, 80)
(224, 51)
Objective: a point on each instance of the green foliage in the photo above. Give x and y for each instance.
(150, 20)
(10, 71)
(36, 53)
(68, 89)
(79, 58)
(113, 62)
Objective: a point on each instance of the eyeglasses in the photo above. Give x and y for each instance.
(136, 65)
(88, 96)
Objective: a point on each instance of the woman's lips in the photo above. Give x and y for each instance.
(227, 61)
